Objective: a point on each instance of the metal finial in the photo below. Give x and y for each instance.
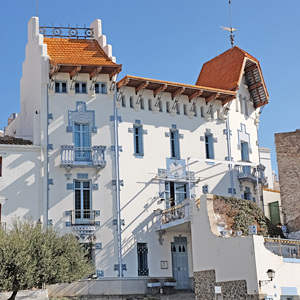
(230, 29)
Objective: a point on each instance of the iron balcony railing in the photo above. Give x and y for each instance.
(179, 212)
(83, 217)
(283, 247)
(251, 173)
(71, 155)
(3, 225)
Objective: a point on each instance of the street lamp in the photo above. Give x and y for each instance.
(271, 275)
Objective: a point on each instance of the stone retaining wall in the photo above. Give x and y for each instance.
(205, 282)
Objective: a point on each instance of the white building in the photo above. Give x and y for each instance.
(119, 163)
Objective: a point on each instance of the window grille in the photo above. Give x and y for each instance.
(142, 252)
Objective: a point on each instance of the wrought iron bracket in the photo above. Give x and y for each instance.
(113, 82)
(112, 118)
(116, 268)
(122, 90)
(115, 222)
(176, 98)
(74, 75)
(53, 72)
(121, 182)
(113, 148)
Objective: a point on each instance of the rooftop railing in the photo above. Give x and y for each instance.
(283, 247)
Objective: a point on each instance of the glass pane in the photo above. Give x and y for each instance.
(86, 184)
(83, 87)
(77, 200)
(56, 87)
(64, 87)
(85, 127)
(77, 185)
(86, 139)
(76, 87)
(97, 88)
(103, 88)
(77, 139)
(86, 199)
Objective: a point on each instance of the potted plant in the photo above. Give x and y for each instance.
(170, 281)
(153, 282)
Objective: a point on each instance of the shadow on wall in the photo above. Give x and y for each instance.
(21, 191)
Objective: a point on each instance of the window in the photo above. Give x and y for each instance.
(178, 108)
(241, 104)
(149, 104)
(209, 146)
(131, 102)
(82, 142)
(123, 101)
(202, 111)
(100, 88)
(142, 103)
(167, 107)
(60, 87)
(160, 106)
(184, 109)
(175, 193)
(174, 138)
(246, 106)
(0, 166)
(244, 151)
(83, 213)
(142, 253)
(80, 88)
(138, 140)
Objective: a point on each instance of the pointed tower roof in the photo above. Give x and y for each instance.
(226, 70)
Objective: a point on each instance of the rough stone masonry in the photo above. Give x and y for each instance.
(288, 160)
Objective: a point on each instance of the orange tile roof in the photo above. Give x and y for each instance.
(76, 52)
(224, 71)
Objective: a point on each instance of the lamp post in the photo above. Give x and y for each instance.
(271, 275)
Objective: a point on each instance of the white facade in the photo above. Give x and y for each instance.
(120, 170)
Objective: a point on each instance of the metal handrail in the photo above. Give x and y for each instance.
(283, 247)
(83, 217)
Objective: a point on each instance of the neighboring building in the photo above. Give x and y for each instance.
(120, 164)
(271, 190)
(288, 161)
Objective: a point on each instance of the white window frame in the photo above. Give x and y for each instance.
(79, 84)
(102, 88)
(60, 89)
(168, 192)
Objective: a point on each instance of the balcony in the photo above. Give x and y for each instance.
(283, 247)
(251, 174)
(173, 216)
(83, 157)
(84, 217)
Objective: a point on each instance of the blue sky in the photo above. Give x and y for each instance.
(170, 40)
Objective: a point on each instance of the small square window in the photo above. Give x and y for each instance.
(80, 88)
(100, 88)
(60, 87)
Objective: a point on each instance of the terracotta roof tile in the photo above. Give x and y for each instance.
(223, 71)
(77, 52)
(10, 140)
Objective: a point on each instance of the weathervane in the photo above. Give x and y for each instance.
(230, 29)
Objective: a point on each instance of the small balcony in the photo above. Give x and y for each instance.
(251, 174)
(173, 216)
(83, 157)
(84, 217)
(283, 247)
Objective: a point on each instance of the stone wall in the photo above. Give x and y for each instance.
(205, 282)
(288, 160)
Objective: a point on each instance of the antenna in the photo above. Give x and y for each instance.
(37, 8)
(230, 29)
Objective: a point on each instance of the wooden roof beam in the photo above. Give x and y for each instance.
(53, 69)
(95, 72)
(255, 86)
(141, 86)
(251, 68)
(75, 71)
(196, 94)
(179, 91)
(114, 72)
(159, 90)
(228, 100)
(212, 97)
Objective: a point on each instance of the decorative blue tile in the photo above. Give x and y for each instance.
(174, 126)
(69, 186)
(82, 176)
